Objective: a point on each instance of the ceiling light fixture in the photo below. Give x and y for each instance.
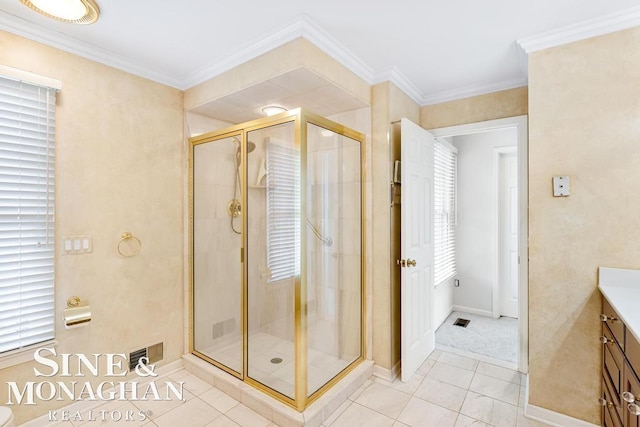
(271, 110)
(73, 11)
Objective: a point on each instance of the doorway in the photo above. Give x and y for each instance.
(506, 191)
(506, 273)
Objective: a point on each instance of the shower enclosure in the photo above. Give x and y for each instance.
(277, 249)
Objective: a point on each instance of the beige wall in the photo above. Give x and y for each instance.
(496, 105)
(119, 161)
(388, 104)
(584, 122)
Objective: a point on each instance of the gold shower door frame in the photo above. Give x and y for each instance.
(301, 119)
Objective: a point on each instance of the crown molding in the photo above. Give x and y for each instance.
(304, 27)
(250, 51)
(402, 82)
(469, 91)
(31, 31)
(594, 27)
(332, 47)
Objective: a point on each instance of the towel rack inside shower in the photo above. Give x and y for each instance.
(327, 241)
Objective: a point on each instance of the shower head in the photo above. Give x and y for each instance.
(250, 145)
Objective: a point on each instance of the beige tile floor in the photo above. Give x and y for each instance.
(447, 390)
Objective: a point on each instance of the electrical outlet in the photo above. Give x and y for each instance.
(561, 186)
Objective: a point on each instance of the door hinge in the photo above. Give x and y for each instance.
(392, 194)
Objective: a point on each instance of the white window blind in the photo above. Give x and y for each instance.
(283, 211)
(444, 180)
(27, 130)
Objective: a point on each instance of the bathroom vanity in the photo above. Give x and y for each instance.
(620, 396)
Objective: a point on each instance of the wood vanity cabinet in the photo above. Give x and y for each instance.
(620, 397)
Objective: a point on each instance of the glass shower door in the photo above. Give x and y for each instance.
(217, 271)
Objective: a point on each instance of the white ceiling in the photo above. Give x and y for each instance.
(436, 50)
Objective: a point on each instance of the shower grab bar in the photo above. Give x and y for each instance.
(327, 241)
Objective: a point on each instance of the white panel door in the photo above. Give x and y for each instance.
(417, 331)
(508, 226)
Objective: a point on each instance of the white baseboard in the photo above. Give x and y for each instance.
(386, 374)
(439, 322)
(552, 418)
(471, 310)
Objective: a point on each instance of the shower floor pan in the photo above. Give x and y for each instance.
(267, 348)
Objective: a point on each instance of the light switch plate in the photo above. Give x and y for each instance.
(561, 186)
(76, 245)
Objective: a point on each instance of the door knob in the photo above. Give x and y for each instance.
(406, 262)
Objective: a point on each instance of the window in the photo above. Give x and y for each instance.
(27, 130)
(444, 195)
(283, 211)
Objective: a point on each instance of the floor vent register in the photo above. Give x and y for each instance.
(461, 322)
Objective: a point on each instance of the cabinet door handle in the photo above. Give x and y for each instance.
(628, 397)
(606, 318)
(604, 402)
(633, 409)
(605, 340)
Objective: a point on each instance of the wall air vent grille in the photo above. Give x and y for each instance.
(135, 356)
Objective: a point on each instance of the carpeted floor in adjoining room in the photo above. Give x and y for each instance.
(495, 338)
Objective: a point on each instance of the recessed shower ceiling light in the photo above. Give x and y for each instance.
(271, 110)
(74, 11)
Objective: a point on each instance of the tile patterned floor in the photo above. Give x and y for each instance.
(447, 391)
